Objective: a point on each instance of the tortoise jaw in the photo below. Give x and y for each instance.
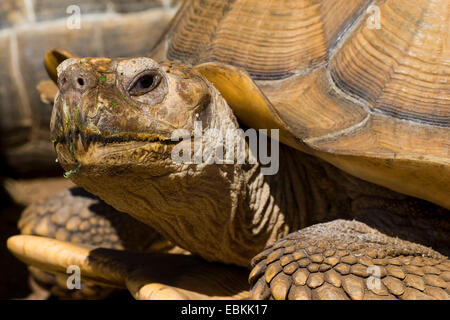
(108, 153)
(83, 140)
(81, 144)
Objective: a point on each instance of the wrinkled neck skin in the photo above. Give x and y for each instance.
(229, 212)
(308, 191)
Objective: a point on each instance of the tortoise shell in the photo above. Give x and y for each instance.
(374, 100)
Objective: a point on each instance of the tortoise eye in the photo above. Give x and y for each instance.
(144, 83)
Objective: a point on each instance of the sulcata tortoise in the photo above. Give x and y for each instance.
(359, 206)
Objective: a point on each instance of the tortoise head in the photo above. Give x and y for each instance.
(106, 104)
(113, 126)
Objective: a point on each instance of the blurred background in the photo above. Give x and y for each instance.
(29, 28)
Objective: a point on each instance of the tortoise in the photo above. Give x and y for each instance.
(359, 206)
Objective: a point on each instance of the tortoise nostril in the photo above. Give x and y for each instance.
(80, 81)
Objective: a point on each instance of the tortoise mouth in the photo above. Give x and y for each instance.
(88, 149)
(87, 140)
(95, 152)
(75, 128)
(78, 131)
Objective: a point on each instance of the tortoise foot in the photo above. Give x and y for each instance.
(56, 285)
(147, 275)
(348, 260)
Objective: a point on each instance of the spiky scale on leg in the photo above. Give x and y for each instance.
(349, 260)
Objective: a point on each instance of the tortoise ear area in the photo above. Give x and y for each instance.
(53, 59)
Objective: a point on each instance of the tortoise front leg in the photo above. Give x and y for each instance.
(348, 260)
(75, 216)
(113, 250)
(147, 275)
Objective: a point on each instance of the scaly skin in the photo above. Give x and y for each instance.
(342, 260)
(114, 139)
(78, 217)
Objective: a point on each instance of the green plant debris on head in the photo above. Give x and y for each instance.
(67, 174)
(113, 103)
(77, 118)
(121, 96)
(102, 78)
(67, 123)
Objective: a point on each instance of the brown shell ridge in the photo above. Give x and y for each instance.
(315, 141)
(319, 142)
(309, 105)
(371, 111)
(440, 120)
(160, 49)
(299, 34)
(348, 31)
(325, 144)
(390, 67)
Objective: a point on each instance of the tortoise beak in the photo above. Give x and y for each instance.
(75, 77)
(76, 83)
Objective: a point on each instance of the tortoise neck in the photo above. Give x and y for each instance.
(305, 191)
(274, 205)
